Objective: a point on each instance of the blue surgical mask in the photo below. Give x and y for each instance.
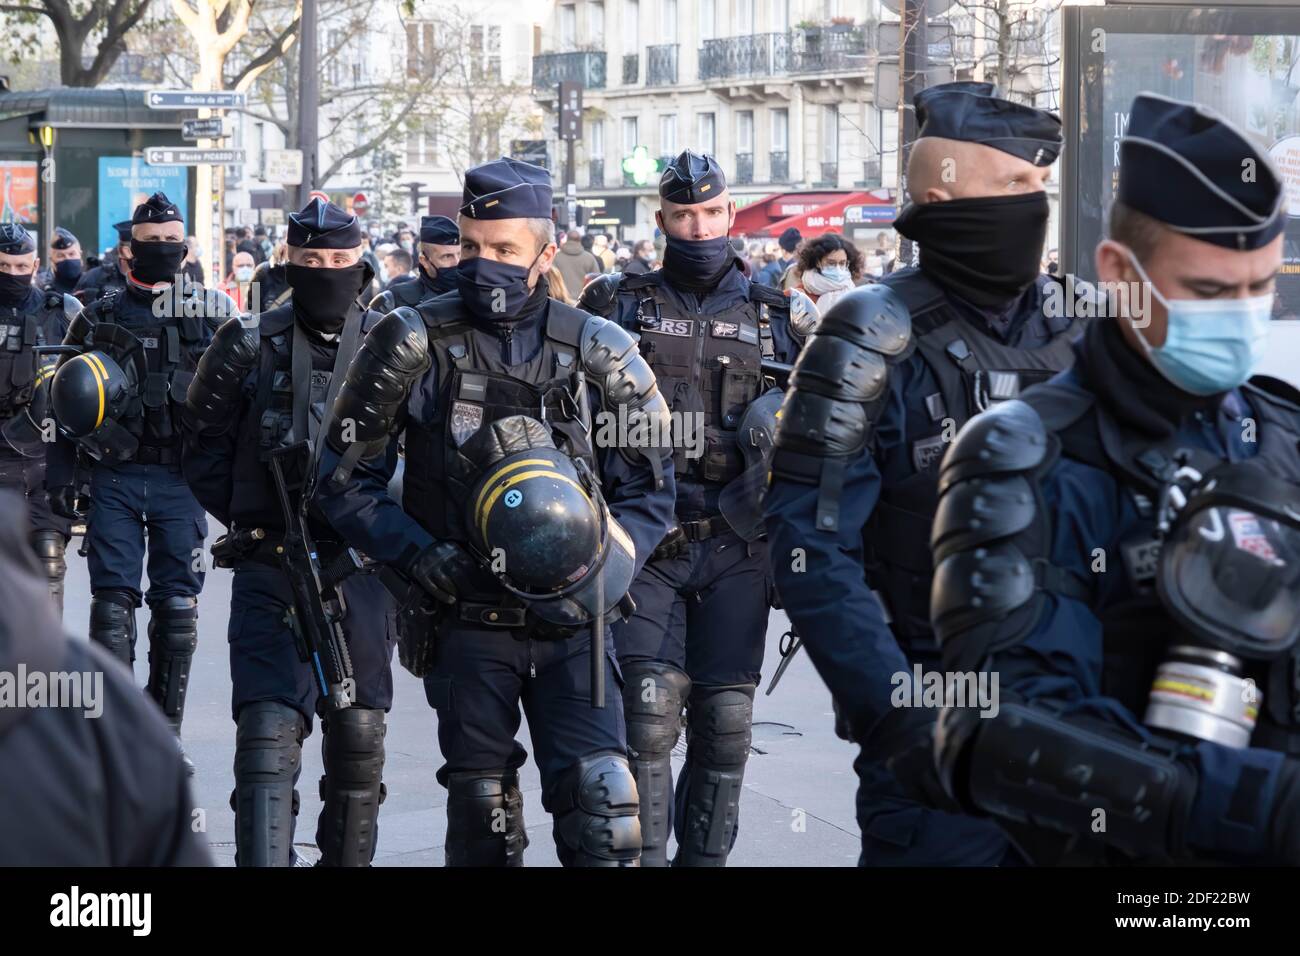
(1211, 345)
(836, 273)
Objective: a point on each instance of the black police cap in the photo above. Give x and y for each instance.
(157, 208)
(507, 189)
(440, 231)
(123, 230)
(974, 113)
(15, 240)
(323, 225)
(62, 239)
(691, 178)
(1186, 166)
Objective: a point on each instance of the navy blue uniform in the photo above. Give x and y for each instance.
(832, 575)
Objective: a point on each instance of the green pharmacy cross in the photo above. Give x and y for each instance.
(640, 166)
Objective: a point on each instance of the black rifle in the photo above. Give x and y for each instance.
(316, 615)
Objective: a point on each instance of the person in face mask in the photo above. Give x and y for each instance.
(64, 256)
(439, 255)
(258, 390)
(157, 326)
(1158, 412)
(240, 280)
(701, 623)
(30, 318)
(110, 275)
(829, 266)
(451, 373)
(894, 369)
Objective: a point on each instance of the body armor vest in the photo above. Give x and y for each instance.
(1138, 631)
(973, 370)
(475, 387)
(708, 368)
(20, 365)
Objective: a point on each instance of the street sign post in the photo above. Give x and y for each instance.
(203, 128)
(360, 204)
(192, 99)
(192, 156)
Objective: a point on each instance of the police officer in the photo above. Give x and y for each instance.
(30, 318)
(252, 394)
(1123, 545)
(439, 254)
(118, 402)
(891, 374)
(111, 274)
(697, 636)
(450, 371)
(65, 266)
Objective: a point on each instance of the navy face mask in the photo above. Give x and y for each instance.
(68, 271)
(493, 290)
(444, 281)
(696, 263)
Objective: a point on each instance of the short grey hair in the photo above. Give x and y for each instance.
(543, 231)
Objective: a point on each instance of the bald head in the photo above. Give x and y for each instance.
(940, 169)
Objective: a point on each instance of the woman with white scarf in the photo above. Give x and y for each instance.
(829, 266)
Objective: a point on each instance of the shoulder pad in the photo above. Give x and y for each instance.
(767, 295)
(403, 328)
(1009, 437)
(873, 317)
(606, 346)
(443, 309)
(383, 303)
(598, 297)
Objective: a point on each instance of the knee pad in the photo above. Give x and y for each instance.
(49, 547)
(718, 722)
(173, 636)
(268, 759)
(485, 819)
(595, 809)
(351, 789)
(112, 623)
(653, 695)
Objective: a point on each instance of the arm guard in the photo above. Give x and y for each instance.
(383, 303)
(837, 389)
(615, 368)
(393, 357)
(216, 389)
(599, 296)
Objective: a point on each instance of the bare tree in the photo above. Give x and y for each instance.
(1011, 40)
(105, 23)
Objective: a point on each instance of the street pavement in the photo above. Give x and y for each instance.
(796, 810)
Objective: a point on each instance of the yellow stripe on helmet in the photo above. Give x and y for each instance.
(101, 376)
(486, 510)
(514, 466)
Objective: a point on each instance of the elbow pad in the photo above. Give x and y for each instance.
(217, 386)
(616, 369)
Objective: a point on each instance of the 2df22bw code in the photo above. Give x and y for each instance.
(1206, 897)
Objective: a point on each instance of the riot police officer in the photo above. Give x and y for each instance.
(31, 318)
(470, 376)
(891, 374)
(697, 636)
(253, 394)
(439, 254)
(111, 274)
(118, 403)
(64, 256)
(1123, 544)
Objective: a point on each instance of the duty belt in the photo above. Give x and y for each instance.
(702, 529)
(156, 455)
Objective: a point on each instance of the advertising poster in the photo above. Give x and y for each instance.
(19, 182)
(127, 181)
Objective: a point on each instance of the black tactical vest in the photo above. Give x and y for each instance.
(475, 387)
(19, 336)
(1137, 632)
(974, 371)
(708, 369)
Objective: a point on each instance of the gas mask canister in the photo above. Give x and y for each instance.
(1229, 576)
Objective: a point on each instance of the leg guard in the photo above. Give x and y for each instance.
(173, 635)
(653, 694)
(268, 758)
(485, 819)
(717, 742)
(112, 623)
(49, 547)
(594, 805)
(351, 789)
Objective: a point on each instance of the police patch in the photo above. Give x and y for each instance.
(724, 330)
(466, 419)
(927, 452)
(682, 327)
(1141, 559)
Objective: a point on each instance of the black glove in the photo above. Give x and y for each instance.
(441, 569)
(63, 502)
(674, 545)
(906, 737)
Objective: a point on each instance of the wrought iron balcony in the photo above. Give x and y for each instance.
(661, 65)
(584, 66)
(823, 49)
(762, 54)
(830, 175)
(778, 164)
(744, 168)
(596, 174)
(631, 69)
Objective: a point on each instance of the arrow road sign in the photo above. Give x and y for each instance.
(189, 99)
(191, 156)
(202, 128)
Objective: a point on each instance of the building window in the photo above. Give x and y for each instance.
(668, 135)
(485, 53)
(568, 27)
(421, 44)
(668, 21)
(706, 134)
(744, 17)
(596, 139)
(780, 16)
(780, 130)
(830, 134)
(745, 131)
(422, 142)
(708, 17)
(596, 23)
(631, 27)
(631, 139)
